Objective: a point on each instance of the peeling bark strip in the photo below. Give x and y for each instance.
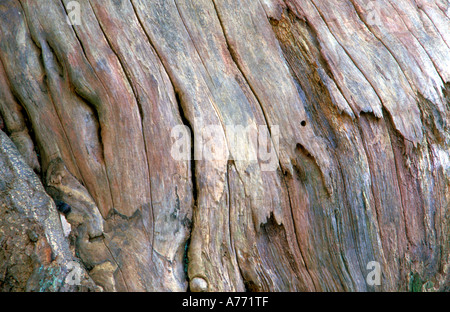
(355, 98)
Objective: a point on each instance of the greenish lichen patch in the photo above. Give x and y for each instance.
(415, 282)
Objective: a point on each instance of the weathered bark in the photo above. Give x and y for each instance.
(35, 256)
(359, 91)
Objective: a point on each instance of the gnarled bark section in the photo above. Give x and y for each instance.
(35, 256)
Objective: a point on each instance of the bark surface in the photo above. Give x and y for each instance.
(353, 97)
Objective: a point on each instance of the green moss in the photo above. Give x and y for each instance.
(428, 286)
(415, 282)
(49, 279)
(185, 256)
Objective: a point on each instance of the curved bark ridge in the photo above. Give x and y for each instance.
(350, 100)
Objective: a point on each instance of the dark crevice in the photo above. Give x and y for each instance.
(32, 135)
(29, 128)
(446, 92)
(431, 119)
(26, 115)
(2, 124)
(59, 65)
(96, 238)
(301, 150)
(186, 123)
(186, 261)
(95, 120)
(195, 192)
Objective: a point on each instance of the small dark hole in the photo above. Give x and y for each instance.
(303, 123)
(63, 207)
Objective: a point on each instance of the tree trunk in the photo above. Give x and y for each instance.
(225, 145)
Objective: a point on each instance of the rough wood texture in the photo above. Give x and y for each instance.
(358, 90)
(34, 255)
